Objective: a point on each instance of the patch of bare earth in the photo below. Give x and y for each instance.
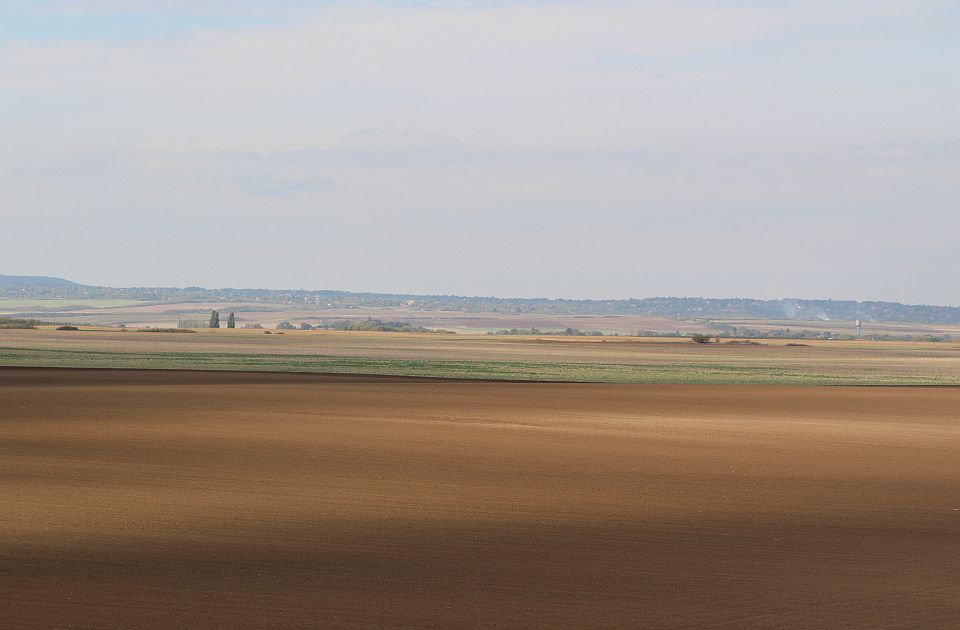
(184, 499)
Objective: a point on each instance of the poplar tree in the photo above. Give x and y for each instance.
(231, 321)
(214, 319)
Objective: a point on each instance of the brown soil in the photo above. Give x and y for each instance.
(181, 499)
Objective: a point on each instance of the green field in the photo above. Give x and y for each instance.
(11, 305)
(487, 358)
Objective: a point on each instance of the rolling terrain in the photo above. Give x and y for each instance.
(589, 359)
(116, 312)
(57, 299)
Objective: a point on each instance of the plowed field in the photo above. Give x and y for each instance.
(206, 499)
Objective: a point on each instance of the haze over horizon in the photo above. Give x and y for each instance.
(472, 296)
(517, 149)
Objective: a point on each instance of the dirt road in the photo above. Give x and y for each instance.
(184, 499)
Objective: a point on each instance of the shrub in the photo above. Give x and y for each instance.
(67, 328)
(700, 338)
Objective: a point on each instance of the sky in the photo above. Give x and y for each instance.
(602, 149)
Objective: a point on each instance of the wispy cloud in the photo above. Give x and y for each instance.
(586, 138)
(283, 186)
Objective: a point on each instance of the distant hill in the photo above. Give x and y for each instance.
(35, 281)
(684, 308)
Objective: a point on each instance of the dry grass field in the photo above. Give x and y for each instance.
(270, 314)
(590, 359)
(11, 306)
(144, 499)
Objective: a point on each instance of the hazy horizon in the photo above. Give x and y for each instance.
(599, 150)
(784, 298)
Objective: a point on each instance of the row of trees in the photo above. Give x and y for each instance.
(215, 320)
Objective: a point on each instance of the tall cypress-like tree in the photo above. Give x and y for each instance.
(214, 319)
(231, 321)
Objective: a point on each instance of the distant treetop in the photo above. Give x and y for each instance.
(675, 307)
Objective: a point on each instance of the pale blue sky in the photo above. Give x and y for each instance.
(591, 149)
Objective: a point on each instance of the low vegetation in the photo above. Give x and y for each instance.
(619, 360)
(727, 331)
(690, 371)
(12, 323)
(567, 332)
(374, 325)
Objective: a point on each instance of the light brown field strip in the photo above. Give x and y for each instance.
(613, 359)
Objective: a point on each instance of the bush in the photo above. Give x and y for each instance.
(67, 328)
(285, 326)
(700, 338)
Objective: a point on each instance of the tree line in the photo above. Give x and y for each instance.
(215, 320)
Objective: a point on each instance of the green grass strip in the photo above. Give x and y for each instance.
(671, 373)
